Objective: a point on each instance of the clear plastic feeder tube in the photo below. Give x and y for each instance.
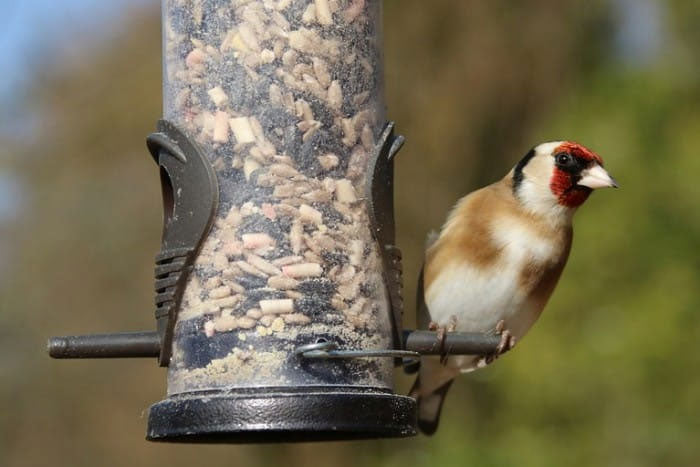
(285, 99)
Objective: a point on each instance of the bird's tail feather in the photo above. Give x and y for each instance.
(430, 406)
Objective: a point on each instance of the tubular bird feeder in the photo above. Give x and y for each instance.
(278, 283)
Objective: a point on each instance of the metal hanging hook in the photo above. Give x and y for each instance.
(416, 343)
(330, 350)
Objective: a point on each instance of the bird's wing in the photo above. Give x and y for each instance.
(422, 314)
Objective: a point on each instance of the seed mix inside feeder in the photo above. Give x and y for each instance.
(278, 282)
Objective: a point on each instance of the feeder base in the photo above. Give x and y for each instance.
(279, 415)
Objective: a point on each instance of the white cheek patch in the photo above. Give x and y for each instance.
(535, 192)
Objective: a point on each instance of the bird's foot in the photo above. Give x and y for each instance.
(507, 339)
(506, 343)
(441, 333)
(452, 324)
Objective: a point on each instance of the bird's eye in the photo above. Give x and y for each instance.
(563, 158)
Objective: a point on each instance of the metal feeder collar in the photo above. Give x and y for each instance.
(284, 201)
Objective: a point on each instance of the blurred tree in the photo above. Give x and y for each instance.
(467, 82)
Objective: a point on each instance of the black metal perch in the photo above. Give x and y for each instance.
(147, 344)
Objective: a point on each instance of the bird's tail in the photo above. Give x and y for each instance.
(429, 406)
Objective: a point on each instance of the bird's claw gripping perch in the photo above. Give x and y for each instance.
(441, 333)
(506, 342)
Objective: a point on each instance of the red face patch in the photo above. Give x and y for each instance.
(568, 193)
(576, 150)
(563, 182)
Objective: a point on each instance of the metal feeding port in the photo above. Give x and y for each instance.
(278, 284)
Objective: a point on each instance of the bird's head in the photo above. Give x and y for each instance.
(558, 176)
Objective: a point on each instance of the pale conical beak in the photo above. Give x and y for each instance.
(596, 177)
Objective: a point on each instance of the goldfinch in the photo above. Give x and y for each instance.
(498, 258)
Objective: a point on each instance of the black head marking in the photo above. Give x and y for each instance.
(518, 171)
(570, 163)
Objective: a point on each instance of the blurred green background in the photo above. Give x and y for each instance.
(610, 375)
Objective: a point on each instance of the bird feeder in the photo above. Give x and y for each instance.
(278, 300)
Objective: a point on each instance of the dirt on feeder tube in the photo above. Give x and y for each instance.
(285, 98)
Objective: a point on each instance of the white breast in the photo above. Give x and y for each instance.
(520, 243)
(480, 297)
(477, 298)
